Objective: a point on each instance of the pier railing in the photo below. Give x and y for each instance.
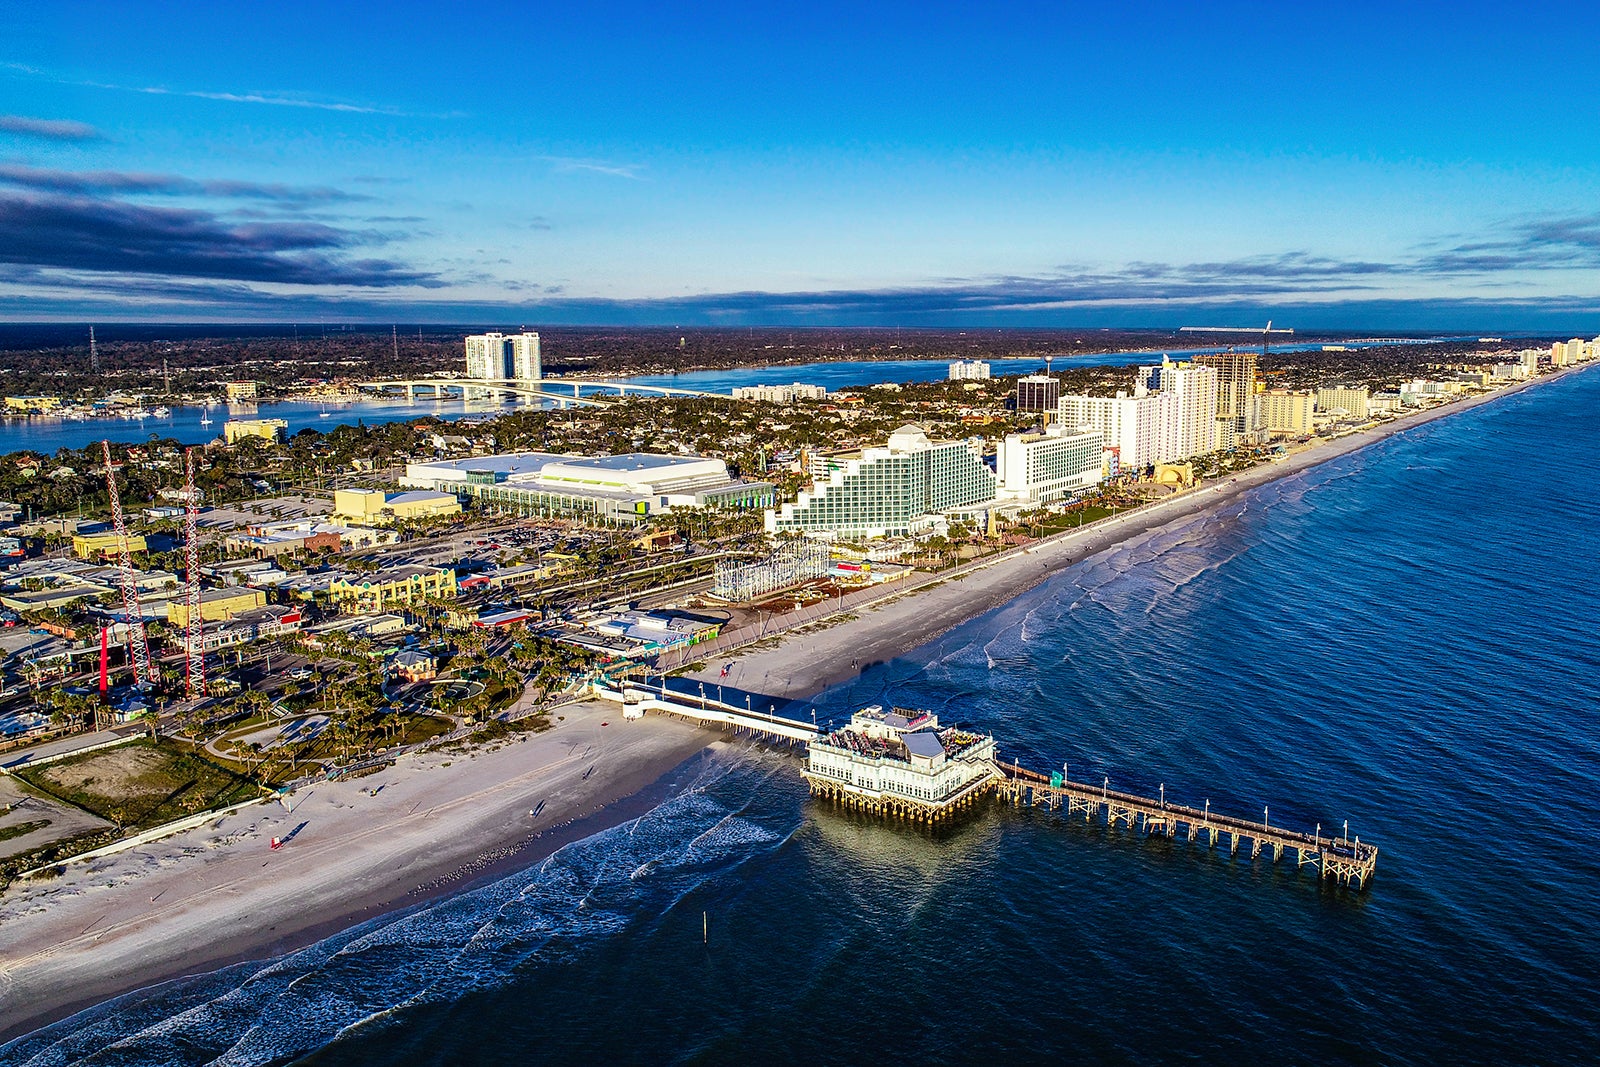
(1347, 861)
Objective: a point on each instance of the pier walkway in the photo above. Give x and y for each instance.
(1349, 862)
(1341, 859)
(637, 697)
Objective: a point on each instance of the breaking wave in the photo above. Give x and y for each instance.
(373, 974)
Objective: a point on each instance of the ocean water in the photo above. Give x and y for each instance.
(1405, 638)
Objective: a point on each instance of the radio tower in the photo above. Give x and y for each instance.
(94, 354)
(132, 615)
(194, 654)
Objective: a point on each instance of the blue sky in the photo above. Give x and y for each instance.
(1386, 165)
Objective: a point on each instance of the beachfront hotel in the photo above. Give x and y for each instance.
(1236, 386)
(895, 491)
(1171, 415)
(1049, 467)
(1195, 386)
(900, 762)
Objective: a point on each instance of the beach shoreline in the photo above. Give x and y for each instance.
(415, 832)
(835, 649)
(431, 826)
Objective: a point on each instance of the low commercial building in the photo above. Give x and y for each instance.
(414, 665)
(96, 545)
(57, 598)
(236, 430)
(253, 624)
(264, 547)
(780, 394)
(523, 574)
(355, 626)
(218, 604)
(376, 506)
(624, 489)
(314, 532)
(388, 588)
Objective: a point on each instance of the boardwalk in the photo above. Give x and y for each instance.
(1349, 862)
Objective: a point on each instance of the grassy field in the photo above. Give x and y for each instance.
(17, 830)
(142, 784)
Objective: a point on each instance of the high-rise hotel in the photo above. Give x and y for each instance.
(496, 357)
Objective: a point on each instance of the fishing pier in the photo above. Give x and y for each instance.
(1340, 859)
(902, 763)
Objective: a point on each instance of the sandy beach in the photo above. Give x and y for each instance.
(427, 826)
(434, 823)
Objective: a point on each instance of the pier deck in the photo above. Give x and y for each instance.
(1349, 862)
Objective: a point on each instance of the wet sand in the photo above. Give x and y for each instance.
(434, 824)
(426, 827)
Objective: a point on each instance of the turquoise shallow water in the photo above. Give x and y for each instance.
(1405, 638)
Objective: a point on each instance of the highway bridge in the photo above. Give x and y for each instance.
(551, 389)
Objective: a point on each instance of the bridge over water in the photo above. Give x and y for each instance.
(552, 389)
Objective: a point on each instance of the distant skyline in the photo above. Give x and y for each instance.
(1431, 167)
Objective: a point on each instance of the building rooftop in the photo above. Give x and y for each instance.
(633, 461)
(923, 743)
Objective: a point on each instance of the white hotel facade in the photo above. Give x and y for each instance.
(499, 357)
(1170, 416)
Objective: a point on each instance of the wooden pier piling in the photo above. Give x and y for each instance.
(1348, 862)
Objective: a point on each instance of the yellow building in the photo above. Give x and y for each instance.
(1285, 411)
(93, 546)
(233, 391)
(236, 430)
(374, 506)
(360, 505)
(218, 604)
(395, 586)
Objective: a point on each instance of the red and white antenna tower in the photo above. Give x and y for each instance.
(132, 615)
(194, 646)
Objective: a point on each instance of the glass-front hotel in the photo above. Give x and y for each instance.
(894, 491)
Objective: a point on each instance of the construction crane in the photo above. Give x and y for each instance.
(133, 617)
(194, 649)
(1234, 329)
(1266, 334)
